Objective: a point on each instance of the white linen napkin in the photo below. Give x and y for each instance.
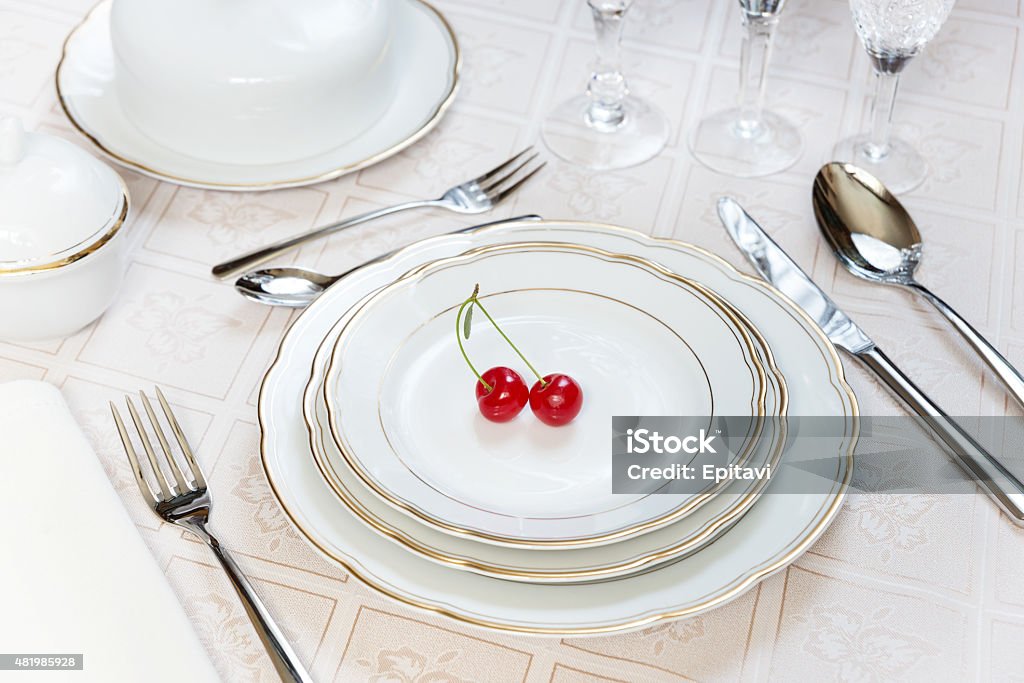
(75, 576)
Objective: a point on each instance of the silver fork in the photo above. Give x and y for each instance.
(478, 195)
(187, 503)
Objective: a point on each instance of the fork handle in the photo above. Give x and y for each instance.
(257, 256)
(287, 663)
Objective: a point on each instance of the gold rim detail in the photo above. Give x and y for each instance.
(92, 244)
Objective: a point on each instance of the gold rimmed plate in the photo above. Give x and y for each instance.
(555, 565)
(772, 533)
(640, 339)
(429, 63)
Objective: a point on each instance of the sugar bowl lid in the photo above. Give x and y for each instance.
(58, 203)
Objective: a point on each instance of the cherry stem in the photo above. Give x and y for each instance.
(458, 337)
(505, 337)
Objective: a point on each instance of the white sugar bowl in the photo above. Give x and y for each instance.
(253, 81)
(63, 251)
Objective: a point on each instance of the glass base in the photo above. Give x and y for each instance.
(901, 169)
(640, 136)
(723, 144)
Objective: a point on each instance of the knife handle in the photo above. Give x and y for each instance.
(1000, 484)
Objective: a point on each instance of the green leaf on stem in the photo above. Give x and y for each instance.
(467, 321)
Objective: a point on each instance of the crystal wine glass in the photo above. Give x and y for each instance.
(893, 31)
(607, 127)
(747, 140)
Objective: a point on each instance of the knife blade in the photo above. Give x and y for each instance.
(776, 266)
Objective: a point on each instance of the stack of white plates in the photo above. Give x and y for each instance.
(373, 445)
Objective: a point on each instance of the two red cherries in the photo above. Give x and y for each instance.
(501, 392)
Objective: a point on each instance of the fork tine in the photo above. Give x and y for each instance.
(496, 195)
(133, 458)
(179, 477)
(489, 174)
(494, 182)
(197, 473)
(165, 489)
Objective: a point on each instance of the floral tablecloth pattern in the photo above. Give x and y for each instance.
(916, 588)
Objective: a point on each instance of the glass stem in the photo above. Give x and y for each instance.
(877, 146)
(607, 86)
(755, 53)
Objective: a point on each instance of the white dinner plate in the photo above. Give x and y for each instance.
(550, 565)
(768, 537)
(639, 339)
(428, 64)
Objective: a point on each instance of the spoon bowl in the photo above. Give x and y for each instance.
(875, 238)
(288, 286)
(866, 225)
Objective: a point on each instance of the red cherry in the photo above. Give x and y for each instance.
(556, 400)
(507, 396)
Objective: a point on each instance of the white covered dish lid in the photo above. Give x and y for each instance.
(255, 82)
(57, 202)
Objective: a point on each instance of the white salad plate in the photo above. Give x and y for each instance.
(547, 565)
(639, 339)
(427, 68)
(772, 533)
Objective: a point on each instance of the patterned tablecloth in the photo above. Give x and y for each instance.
(927, 588)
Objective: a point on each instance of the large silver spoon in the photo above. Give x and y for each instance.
(297, 287)
(875, 238)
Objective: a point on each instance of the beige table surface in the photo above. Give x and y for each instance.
(927, 589)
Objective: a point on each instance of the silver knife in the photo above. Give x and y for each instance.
(780, 270)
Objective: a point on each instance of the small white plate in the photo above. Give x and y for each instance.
(772, 534)
(640, 340)
(429, 64)
(549, 565)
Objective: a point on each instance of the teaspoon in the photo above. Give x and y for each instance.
(296, 287)
(875, 238)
